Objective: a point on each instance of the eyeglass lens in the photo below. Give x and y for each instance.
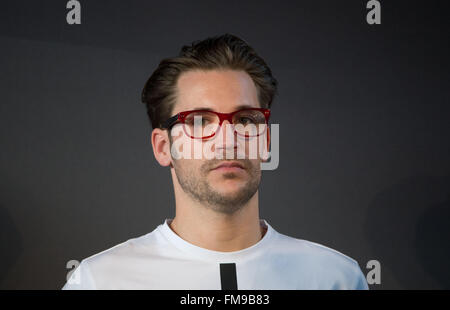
(204, 124)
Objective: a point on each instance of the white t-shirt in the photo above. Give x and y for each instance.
(163, 260)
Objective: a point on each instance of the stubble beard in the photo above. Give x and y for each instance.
(194, 182)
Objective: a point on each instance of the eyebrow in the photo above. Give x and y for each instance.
(243, 106)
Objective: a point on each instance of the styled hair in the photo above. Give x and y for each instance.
(219, 52)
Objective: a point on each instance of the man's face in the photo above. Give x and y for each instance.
(224, 91)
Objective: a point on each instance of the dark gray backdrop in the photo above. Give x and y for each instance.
(363, 113)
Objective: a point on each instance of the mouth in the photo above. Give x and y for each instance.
(229, 167)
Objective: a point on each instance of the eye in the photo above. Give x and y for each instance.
(204, 121)
(245, 120)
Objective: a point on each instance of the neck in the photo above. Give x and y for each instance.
(206, 228)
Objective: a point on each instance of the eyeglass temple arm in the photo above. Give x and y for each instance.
(170, 121)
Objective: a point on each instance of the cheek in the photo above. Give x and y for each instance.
(256, 165)
(182, 148)
(191, 167)
(253, 147)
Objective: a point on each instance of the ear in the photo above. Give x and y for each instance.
(161, 147)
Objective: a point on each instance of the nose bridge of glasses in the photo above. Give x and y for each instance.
(225, 117)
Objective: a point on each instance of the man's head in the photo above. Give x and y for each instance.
(223, 74)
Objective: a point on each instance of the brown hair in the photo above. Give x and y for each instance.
(219, 52)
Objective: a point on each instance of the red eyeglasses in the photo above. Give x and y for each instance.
(204, 124)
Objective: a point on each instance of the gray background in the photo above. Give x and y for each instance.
(363, 113)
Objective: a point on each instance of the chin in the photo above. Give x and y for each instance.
(229, 187)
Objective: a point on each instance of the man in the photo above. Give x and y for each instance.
(216, 239)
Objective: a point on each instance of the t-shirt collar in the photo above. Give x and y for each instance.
(211, 255)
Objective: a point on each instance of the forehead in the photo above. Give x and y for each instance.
(219, 90)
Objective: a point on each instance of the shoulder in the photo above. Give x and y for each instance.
(122, 252)
(311, 250)
(319, 261)
(102, 265)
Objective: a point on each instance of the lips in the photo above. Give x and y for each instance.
(229, 165)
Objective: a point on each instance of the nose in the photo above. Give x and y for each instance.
(226, 137)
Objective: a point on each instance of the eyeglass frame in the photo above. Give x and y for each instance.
(180, 117)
